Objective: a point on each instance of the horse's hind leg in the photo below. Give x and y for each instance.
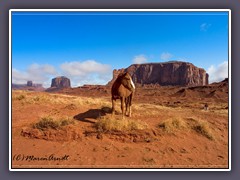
(130, 111)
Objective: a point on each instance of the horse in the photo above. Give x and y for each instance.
(123, 89)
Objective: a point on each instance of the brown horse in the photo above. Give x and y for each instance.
(123, 89)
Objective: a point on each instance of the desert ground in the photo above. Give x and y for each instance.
(73, 128)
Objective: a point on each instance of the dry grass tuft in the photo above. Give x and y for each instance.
(203, 129)
(199, 126)
(19, 97)
(51, 123)
(172, 125)
(28, 97)
(106, 123)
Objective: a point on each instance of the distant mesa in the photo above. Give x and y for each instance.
(29, 83)
(28, 86)
(172, 73)
(61, 82)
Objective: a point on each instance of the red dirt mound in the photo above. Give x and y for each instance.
(66, 133)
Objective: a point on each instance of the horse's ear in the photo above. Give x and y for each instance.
(120, 74)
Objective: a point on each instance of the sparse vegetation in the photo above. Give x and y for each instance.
(19, 97)
(28, 97)
(172, 125)
(108, 124)
(201, 127)
(51, 123)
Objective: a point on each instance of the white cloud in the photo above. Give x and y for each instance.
(35, 72)
(87, 72)
(218, 73)
(84, 72)
(83, 68)
(165, 56)
(38, 70)
(140, 59)
(205, 26)
(92, 78)
(19, 77)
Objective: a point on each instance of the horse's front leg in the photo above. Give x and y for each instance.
(113, 106)
(127, 106)
(123, 106)
(130, 105)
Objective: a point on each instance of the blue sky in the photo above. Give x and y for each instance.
(87, 46)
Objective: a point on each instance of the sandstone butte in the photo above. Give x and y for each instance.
(173, 73)
(61, 82)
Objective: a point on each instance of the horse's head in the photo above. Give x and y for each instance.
(127, 82)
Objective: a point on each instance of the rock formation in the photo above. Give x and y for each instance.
(61, 82)
(29, 83)
(167, 73)
(30, 86)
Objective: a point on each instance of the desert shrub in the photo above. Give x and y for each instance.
(109, 124)
(20, 97)
(172, 125)
(65, 122)
(36, 98)
(199, 126)
(50, 123)
(204, 129)
(46, 123)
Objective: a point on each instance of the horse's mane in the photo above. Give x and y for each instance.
(120, 80)
(120, 76)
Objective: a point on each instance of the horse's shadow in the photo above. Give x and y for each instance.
(92, 115)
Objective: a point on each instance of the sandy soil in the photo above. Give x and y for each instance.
(81, 145)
